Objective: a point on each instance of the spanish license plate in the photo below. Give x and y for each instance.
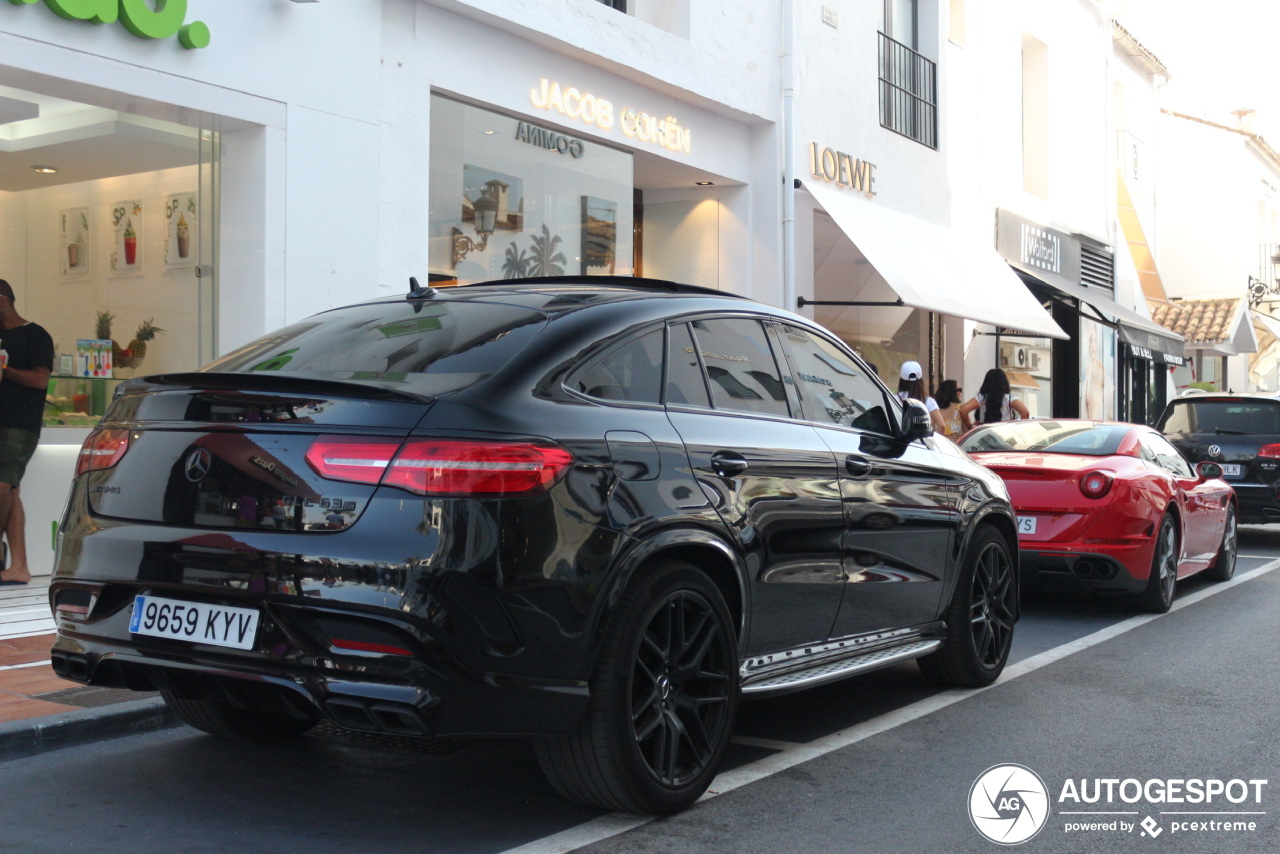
(1026, 524)
(1232, 469)
(219, 625)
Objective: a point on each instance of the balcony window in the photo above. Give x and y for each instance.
(908, 92)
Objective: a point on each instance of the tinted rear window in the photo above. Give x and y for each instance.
(443, 347)
(1051, 437)
(1234, 417)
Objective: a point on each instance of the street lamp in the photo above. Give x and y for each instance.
(486, 211)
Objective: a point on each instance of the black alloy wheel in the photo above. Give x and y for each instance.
(980, 618)
(679, 688)
(1162, 581)
(1224, 565)
(663, 700)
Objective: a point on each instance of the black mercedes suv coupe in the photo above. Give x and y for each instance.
(590, 512)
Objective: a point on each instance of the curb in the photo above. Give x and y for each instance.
(82, 726)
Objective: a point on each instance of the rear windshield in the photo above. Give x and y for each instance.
(1051, 437)
(440, 347)
(1222, 417)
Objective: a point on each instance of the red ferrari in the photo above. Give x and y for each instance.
(1110, 506)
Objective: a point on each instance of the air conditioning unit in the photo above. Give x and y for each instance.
(1015, 357)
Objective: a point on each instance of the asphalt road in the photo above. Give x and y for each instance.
(881, 763)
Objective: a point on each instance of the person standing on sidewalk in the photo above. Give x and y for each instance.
(28, 361)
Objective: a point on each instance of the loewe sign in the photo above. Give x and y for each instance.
(167, 19)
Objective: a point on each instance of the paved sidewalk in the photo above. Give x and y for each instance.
(39, 710)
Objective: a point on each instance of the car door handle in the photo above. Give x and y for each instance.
(857, 466)
(728, 463)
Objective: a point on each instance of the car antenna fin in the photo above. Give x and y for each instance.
(417, 291)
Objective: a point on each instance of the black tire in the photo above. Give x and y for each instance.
(1224, 565)
(226, 721)
(664, 695)
(1162, 580)
(979, 618)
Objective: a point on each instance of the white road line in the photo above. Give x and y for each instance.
(28, 664)
(616, 823)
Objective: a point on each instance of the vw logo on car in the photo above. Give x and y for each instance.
(1215, 451)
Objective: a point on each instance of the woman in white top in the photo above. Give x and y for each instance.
(911, 384)
(993, 402)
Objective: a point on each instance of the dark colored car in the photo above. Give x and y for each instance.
(589, 512)
(1241, 432)
(1110, 507)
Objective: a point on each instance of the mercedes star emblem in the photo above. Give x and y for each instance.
(197, 465)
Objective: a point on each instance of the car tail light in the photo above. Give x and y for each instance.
(1269, 451)
(1096, 484)
(102, 450)
(354, 460)
(442, 466)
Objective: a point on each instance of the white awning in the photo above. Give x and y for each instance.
(930, 267)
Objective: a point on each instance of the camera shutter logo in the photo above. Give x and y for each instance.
(1008, 804)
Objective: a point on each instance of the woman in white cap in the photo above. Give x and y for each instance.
(911, 384)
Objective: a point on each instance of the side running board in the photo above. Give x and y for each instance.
(794, 675)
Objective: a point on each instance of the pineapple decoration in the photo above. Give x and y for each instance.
(137, 349)
(102, 331)
(131, 356)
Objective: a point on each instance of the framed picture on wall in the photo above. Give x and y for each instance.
(73, 243)
(599, 235)
(126, 247)
(498, 198)
(180, 229)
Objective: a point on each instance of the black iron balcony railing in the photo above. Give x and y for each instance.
(1266, 286)
(908, 92)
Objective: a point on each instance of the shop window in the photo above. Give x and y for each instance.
(106, 244)
(511, 198)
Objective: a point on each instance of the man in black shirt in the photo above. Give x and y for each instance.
(28, 361)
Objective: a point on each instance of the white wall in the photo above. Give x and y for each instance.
(1210, 182)
(985, 90)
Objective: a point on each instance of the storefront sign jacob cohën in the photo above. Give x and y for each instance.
(146, 19)
(592, 109)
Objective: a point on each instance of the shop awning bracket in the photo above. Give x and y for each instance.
(802, 302)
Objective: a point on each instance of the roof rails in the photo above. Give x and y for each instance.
(636, 282)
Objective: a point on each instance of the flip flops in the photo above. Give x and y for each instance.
(6, 583)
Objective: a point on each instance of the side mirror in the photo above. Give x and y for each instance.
(918, 425)
(1208, 470)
